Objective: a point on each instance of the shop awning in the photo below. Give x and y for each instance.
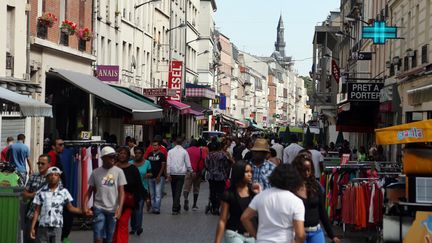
(199, 91)
(414, 132)
(28, 106)
(178, 105)
(139, 109)
(135, 95)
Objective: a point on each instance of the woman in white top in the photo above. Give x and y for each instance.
(280, 212)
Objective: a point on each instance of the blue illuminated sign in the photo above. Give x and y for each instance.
(379, 32)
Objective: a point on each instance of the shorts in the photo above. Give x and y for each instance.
(103, 225)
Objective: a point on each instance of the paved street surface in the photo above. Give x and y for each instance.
(188, 227)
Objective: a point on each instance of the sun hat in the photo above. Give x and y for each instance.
(53, 170)
(107, 151)
(261, 145)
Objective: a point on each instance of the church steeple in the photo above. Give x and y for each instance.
(280, 43)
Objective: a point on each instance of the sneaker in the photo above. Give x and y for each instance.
(156, 212)
(186, 205)
(195, 208)
(131, 232)
(139, 232)
(175, 213)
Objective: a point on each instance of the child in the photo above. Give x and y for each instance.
(49, 201)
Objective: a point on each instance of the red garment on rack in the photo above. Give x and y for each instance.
(84, 174)
(378, 205)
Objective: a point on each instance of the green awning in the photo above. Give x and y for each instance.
(136, 95)
(296, 129)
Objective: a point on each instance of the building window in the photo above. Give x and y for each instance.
(414, 116)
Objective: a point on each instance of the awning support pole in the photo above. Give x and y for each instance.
(90, 114)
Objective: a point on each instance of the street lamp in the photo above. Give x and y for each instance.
(204, 52)
(342, 34)
(141, 4)
(180, 26)
(356, 19)
(198, 39)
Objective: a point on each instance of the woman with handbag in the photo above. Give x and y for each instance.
(134, 191)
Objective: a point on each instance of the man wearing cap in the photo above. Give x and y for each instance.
(50, 201)
(106, 183)
(262, 168)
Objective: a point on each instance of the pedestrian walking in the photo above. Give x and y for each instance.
(196, 156)
(144, 169)
(281, 212)
(272, 157)
(218, 166)
(158, 166)
(279, 148)
(18, 154)
(234, 201)
(178, 165)
(49, 202)
(106, 184)
(134, 192)
(4, 157)
(36, 181)
(314, 202)
(262, 168)
(292, 150)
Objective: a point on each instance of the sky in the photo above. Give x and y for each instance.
(251, 25)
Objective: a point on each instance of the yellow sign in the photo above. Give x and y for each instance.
(414, 132)
(85, 135)
(421, 229)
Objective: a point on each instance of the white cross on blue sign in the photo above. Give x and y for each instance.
(379, 32)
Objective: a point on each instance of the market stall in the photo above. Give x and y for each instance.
(417, 166)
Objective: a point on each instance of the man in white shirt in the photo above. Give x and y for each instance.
(317, 159)
(292, 150)
(279, 148)
(178, 164)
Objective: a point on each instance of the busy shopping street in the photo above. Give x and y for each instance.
(224, 121)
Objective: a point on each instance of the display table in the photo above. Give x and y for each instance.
(406, 206)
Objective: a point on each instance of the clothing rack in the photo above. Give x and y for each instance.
(87, 143)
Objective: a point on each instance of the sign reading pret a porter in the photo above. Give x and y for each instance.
(108, 73)
(364, 91)
(175, 78)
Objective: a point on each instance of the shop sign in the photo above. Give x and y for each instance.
(345, 159)
(85, 135)
(109, 73)
(414, 132)
(175, 79)
(335, 71)
(379, 32)
(364, 91)
(222, 104)
(161, 92)
(362, 56)
(216, 100)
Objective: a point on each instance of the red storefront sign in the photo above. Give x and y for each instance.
(335, 71)
(175, 78)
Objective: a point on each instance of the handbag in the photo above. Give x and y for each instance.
(129, 200)
(228, 180)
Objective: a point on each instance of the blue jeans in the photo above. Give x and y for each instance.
(137, 216)
(156, 193)
(315, 237)
(103, 225)
(234, 237)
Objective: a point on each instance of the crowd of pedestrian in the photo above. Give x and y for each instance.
(260, 192)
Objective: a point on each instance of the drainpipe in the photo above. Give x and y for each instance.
(27, 77)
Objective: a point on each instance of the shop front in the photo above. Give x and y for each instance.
(16, 113)
(417, 167)
(82, 103)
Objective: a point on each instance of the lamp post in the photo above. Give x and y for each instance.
(141, 4)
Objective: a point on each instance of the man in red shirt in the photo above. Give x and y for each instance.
(197, 156)
(57, 148)
(162, 148)
(4, 158)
